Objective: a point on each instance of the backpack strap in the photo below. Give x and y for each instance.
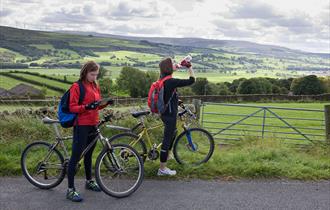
(81, 92)
(169, 100)
(162, 80)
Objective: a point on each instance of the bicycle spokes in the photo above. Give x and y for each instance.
(119, 169)
(45, 173)
(194, 146)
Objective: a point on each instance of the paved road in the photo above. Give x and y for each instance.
(17, 193)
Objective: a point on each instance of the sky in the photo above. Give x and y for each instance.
(296, 24)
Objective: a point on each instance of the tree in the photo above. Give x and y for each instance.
(222, 89)
(255, 86)
(283, 90)
(106, 87)
(200, 85)
(211, 89)
(185, 91)
(276, 89)
(308, 85)
(102, 72)
(326, 83)
(136, 82)
(234, 85)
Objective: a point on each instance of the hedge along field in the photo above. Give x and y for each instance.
(44, 80)
(302, 125)
(8, 83)
(249, 158)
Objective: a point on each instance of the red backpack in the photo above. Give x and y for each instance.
(156, 101)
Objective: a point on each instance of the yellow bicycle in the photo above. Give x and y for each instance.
(192, 146)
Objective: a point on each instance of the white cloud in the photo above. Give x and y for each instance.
(299, 24)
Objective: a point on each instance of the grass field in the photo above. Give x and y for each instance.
(8, 83)
(14, 55)
(211, 76)
(248, 159)
(47, 81)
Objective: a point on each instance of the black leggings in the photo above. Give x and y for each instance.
(81, 139)
(169, 136)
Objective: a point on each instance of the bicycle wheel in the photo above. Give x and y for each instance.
(193, 147)
(128, 139)
(42, 166)
(126, 173)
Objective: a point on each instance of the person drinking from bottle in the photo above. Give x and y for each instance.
(169, 117)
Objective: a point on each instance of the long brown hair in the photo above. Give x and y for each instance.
(166, 67)
(88, 67)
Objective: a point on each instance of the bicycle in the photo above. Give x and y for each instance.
(119, 168)
(193, 146)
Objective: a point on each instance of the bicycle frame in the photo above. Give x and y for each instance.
(59, 141)
(145, 131)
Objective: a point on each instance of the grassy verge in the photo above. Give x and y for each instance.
(248, 159)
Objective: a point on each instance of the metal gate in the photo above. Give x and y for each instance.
(233, 122)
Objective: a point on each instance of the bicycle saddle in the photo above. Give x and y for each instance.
(48, 120)
(138, 114)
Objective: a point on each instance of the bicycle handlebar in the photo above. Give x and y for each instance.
(106, 118)
(185, 110)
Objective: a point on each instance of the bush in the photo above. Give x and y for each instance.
(255, 86)
(308, 85)
(135, 81)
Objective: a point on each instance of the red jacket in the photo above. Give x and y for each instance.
(92, 93)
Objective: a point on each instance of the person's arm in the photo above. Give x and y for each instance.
(74, 99)
(101, 106)
(191, 72)
(174, 83)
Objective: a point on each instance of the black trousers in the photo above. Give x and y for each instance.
(169, 135)
(81, 139)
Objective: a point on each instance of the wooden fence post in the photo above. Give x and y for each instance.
(327, 123)
(197, 104)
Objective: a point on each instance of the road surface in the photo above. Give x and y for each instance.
(16, 193)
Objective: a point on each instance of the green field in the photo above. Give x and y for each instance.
(8, 83)
(73, 74)
(118, 57)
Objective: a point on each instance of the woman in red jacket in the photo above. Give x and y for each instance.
(85, 125)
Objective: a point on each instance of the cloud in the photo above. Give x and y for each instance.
(126, 10)
(135, 30)
(251, 9)
(72, 14)
(5, 12)
(295, 23)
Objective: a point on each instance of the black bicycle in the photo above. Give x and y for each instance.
(119, 168)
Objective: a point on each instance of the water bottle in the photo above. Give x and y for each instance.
(186, 60)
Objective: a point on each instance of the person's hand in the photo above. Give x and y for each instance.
(92, 105)
(188, 65)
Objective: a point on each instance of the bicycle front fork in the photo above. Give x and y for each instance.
(189, 138)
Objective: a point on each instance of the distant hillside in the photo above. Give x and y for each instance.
(21, 48)
(226, 45)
